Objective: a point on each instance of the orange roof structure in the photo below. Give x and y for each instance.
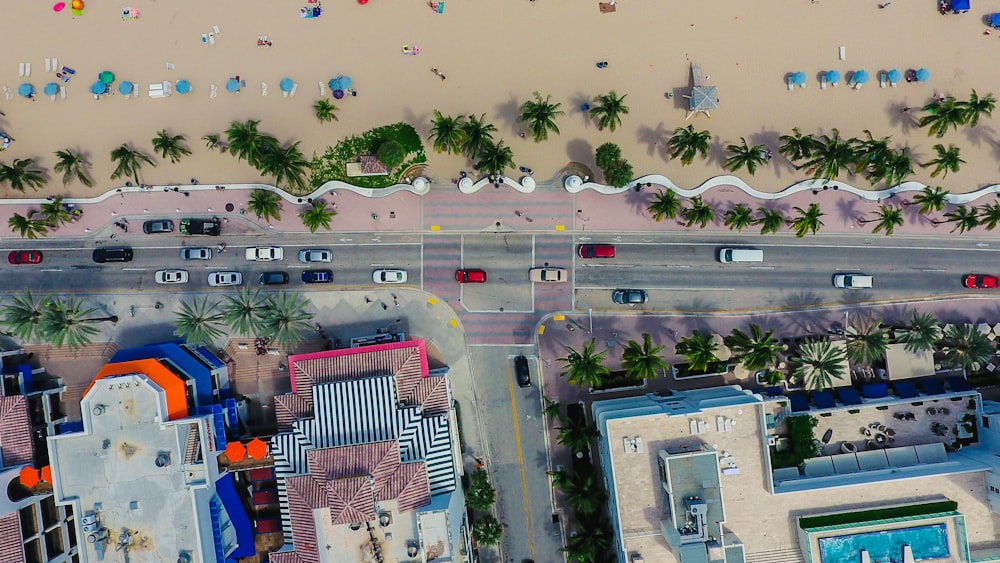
(257, 448)
(171, 383)
(235, 451)
(29, 476)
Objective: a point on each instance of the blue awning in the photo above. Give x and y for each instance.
(960, 5)
(226, 490)
(773, 391)
(848, 396)
(823, 400)
(905, 389)
(875, 391)
(958, 383)
(995, 20)
(931, 386)
(799, 403)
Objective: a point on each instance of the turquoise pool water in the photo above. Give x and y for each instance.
(927, 542)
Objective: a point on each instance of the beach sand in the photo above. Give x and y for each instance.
(494, 54)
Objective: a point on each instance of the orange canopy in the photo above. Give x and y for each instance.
(47, 474)
(257, 448)
(235, 451)
(29, 477)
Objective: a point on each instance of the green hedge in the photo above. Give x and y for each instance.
(802, 442)
(860, 516)
(332, 164)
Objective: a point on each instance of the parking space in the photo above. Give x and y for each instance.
(506, 258)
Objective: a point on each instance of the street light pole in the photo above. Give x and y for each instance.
(590, 313)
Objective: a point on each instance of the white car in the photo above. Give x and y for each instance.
(389, 276)
(219, 279)
(171, 276)
(265, 253)
(196, 253)
(315, 255)
(548, 275)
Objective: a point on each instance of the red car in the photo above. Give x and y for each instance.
(981, 281)
(25, 257)
(596, 251)
(470, 276)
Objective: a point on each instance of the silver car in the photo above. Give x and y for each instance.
(196, 253)
(315, 255)
(171, 276)
(265, 253)
(389, 276)
(219, 279)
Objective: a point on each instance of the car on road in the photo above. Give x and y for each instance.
(219, 279)
(265, 253)
(210, 227)
(196, 253)
(113, 254)
(470, 276)
(158, 226)
(389, 276)
(171, 276)
(521, 371)
(548, 275)
(317, 276)
(273, 278)
(315, 255)
(596, 251)
(25, 257)
(853, 281)
(629, 296)
(981, 281)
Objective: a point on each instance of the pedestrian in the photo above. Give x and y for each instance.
(905, 109)
(384, 306)
(522, 135)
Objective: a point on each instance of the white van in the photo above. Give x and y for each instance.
(853, 281)
(729, 255)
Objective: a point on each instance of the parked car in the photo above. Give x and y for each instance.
(171, 276)
(596, 251)
(389, 276)
(315, 255)
(196, 253)
(158, 226)
(548, 275)
(25, 257)
(211, 227)
(853, 281)
(521, 371)
(273, 278)
(265, 253)
(981, 281)
(218, 279)
(470, 276)
(317, 276)
(113, 254)
(629, 296)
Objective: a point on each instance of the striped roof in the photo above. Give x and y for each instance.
(10, 539)
(15, 431)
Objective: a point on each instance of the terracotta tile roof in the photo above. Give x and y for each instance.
(304, 495)
(370, 164)
(10, 539)
(15, 431)
(350, 500)
(290, 407)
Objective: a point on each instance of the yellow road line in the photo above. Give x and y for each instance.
(520, 462)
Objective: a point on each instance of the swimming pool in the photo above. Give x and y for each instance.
(927, 542)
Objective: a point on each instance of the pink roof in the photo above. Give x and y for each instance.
(15, 431)
(10, 539)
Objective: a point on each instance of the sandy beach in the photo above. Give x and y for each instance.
(494, 54)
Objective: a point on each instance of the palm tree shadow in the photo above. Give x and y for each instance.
(770, 140)
(653, 138)
(508, 112)
(639, 200)
(577, 101)
(580, 150)
(421, 123)
(907, 121)
(716, 152)
(848, 212)
(719, 217)
(981, 134)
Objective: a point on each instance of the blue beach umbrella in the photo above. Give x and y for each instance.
(894, 75)
(26, 90)
(232, 85)
(340, 82)
(799, 78)
(183, 87)
(50, 89)
(832, 76)
(860, 76)
(923, 75)
(98, 88)
(286, 84)
(125, 88)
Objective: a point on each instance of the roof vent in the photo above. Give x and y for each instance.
(163, 459)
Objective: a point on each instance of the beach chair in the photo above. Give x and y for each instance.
(881, 80)
(843, 53)
(204, 39)
(213, 91)
(291, 93)
(790, 85)
(822, 82)
(48, 65)
(6, 93)
(20, 69)
(322, 89)
(62, 92)
(55, 64)
(27, 70)
(263, 88)
(135, 89)
(211, 39)
(218, 33)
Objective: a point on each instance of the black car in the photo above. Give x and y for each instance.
(317, 276)
(113, 254)
(521, 371)
(629, 296)
(211, 227)
(273, 278)
(158, 226)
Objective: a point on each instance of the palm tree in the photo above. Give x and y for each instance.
(495, 159)
(23, 316)
(831, 155)
(807, 221)
(664, 205)
(698, 350)
(819, 364)
(770, 220)
(797, 146)
(477, 135)
(608, 109)
(54, 213)
(540, 116)
(642, 361)
(686, 143)
(585, 367)
(887, 218)
(552, 409)
(976, 107)
(930, 200)
(265, 204)
(990, 217)
(893, 167)
(920, 333)
(447, 133)
(481, 494)
(590, 542)
(867, 340)
(324, 111)
(739, 217)
(756, 350)
(72, 164)
(170, 145)
(27, 226)
(942, 115)
(965, 347)
(965, 218)
(247, 143)
(699, 212)
(199, 322)
(947, 160)
(242, 311)
(129, 161)
(21, 174)
(871, 152)
(486, 530)
(576, 436)
(284, 319)
(214, 141)
(286, 164)
(743, 155)
(583, 491)
(317, 216)
(66, 322)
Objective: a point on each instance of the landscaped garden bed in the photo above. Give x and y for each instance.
(398, 147)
